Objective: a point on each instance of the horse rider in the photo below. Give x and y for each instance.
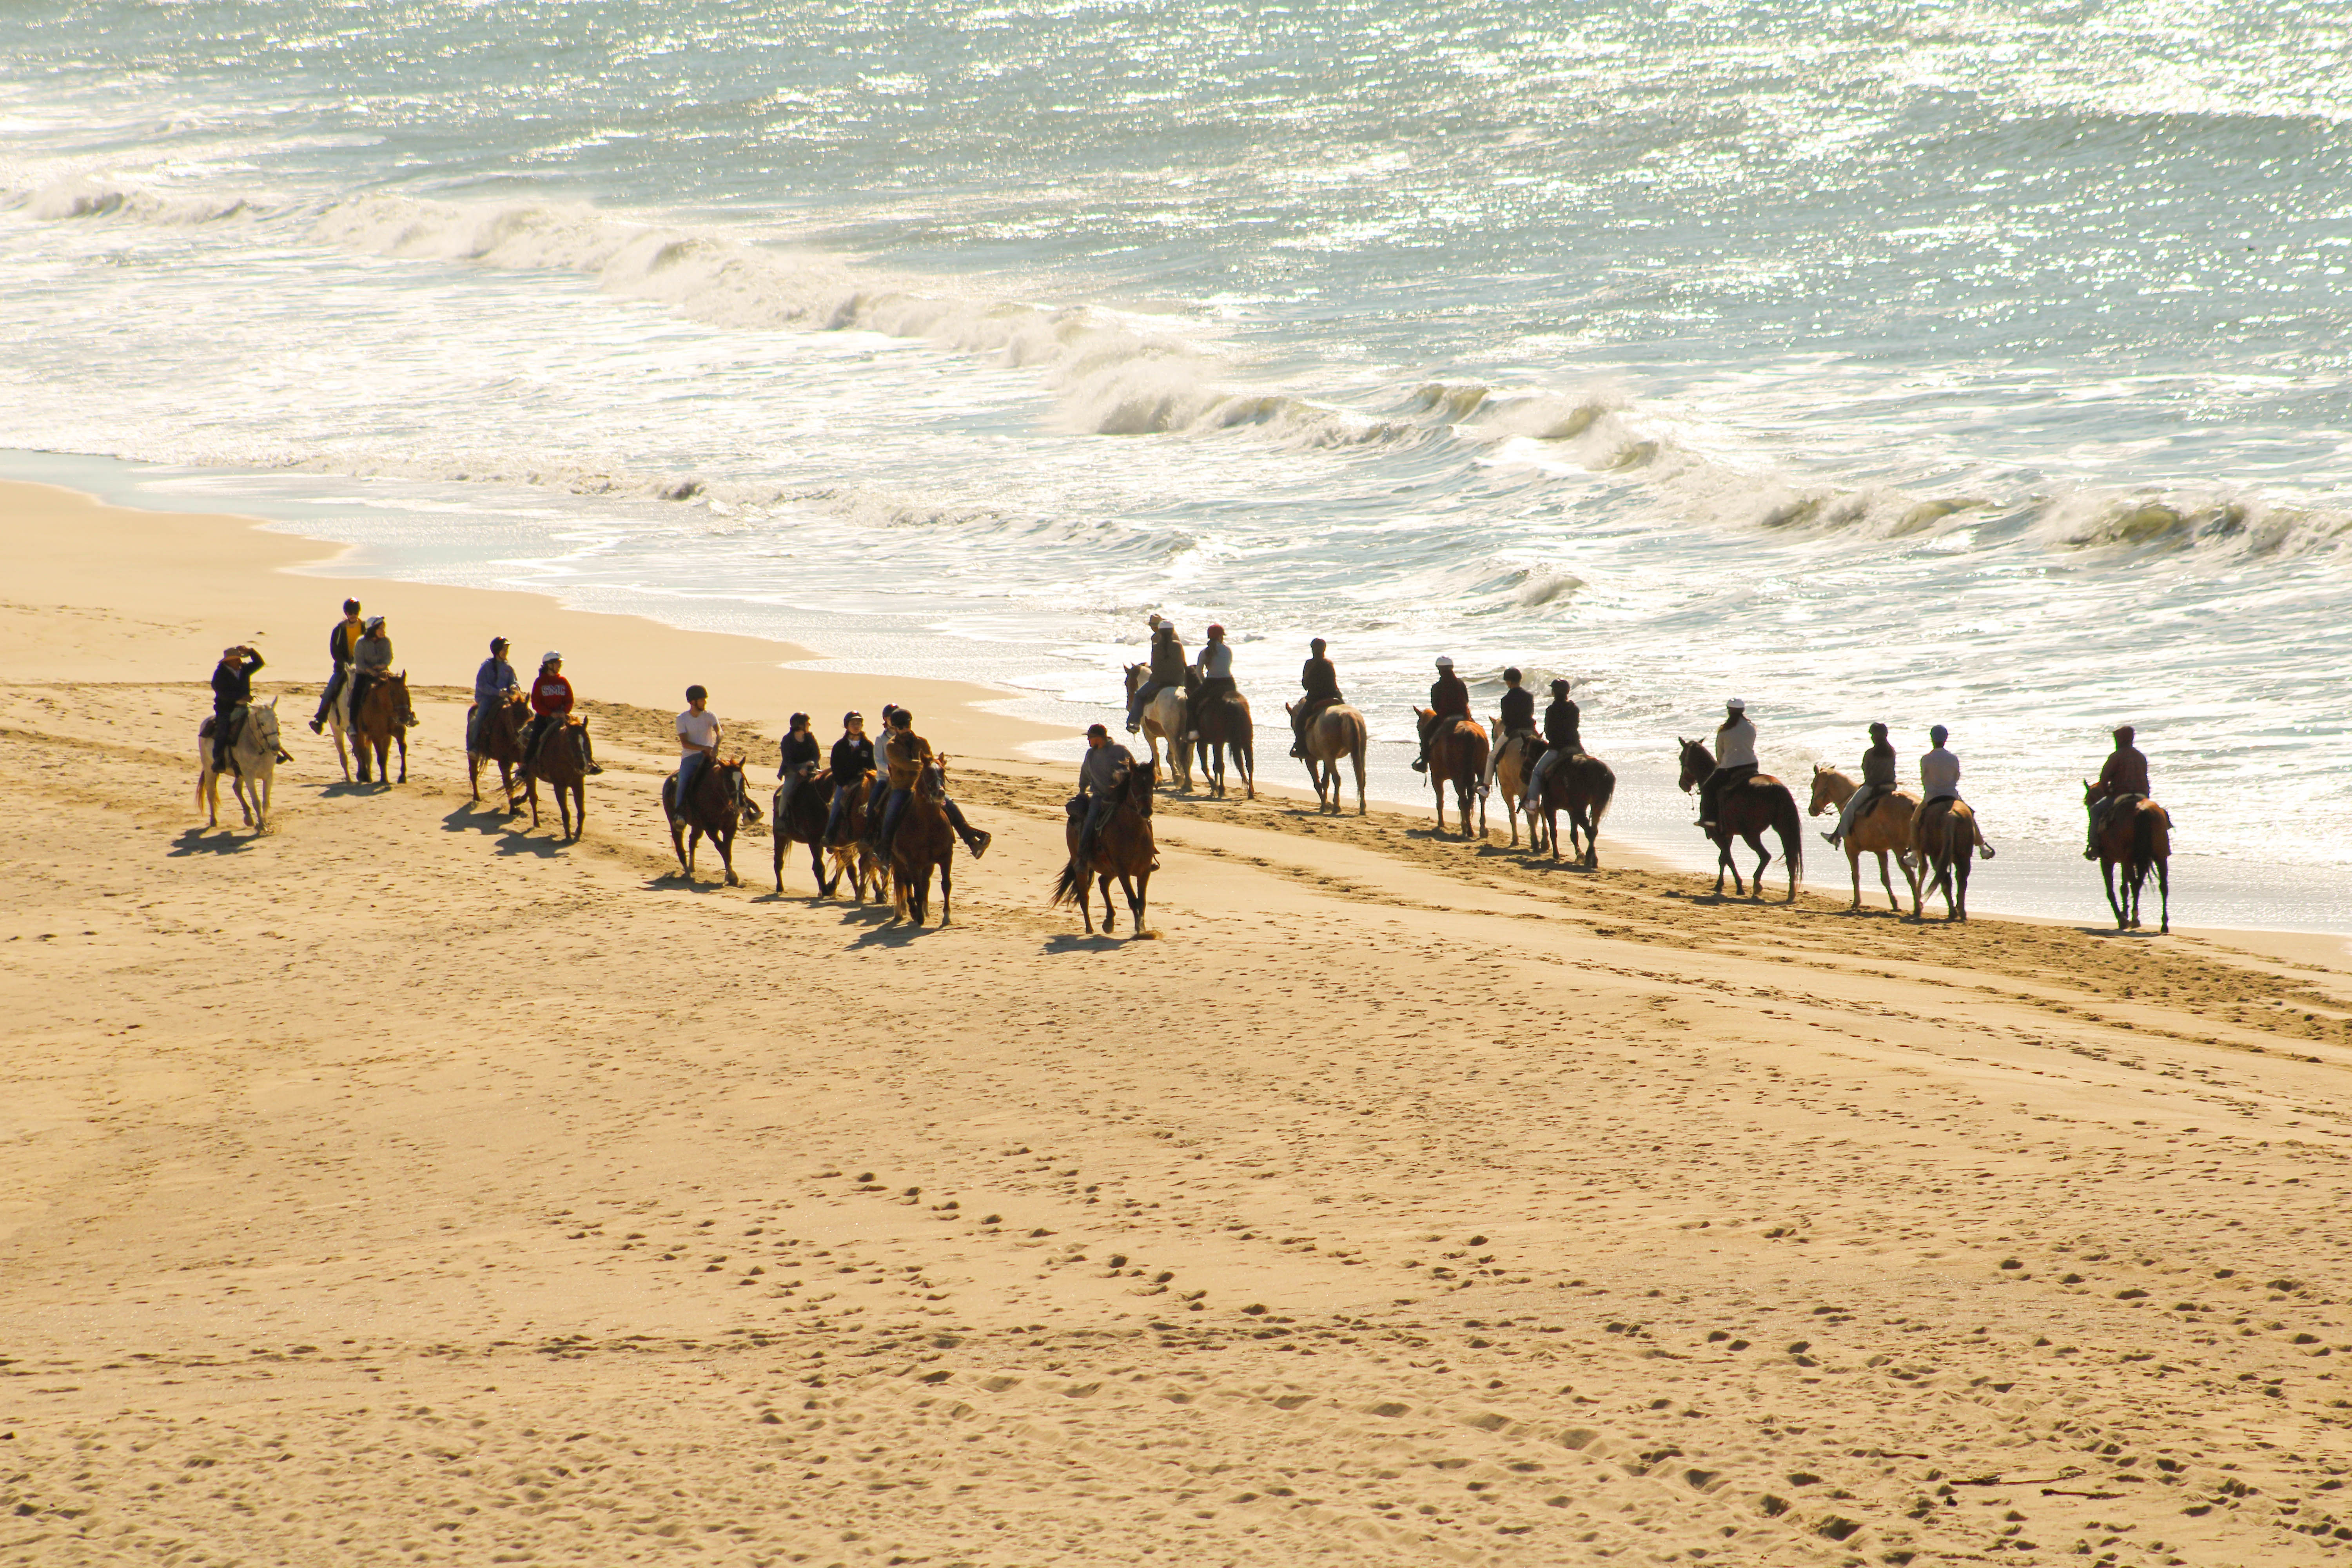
(880, 792)
(1878, 766)
(697, 739)
(371, 661)
(798, 756)
(1518, 718)
(1101, 777)
(1561, 740)
(1734, 759)
(551, 706)
(345, 637)
(1168, 669)
(1939, 779)
(1216, 675)
(1321, 684)
(1448, 698)
(852, 760)
(232, 689)
(494, 682)
(2124, 779)
(908, 753)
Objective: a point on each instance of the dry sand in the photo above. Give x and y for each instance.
(403, 1186)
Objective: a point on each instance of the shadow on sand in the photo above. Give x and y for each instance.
(211, 841)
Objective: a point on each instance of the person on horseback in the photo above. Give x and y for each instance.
(1168, 669)
(881, 790)
(1734, 759)
(1561, 740)
(1448, 698)
(492, 684)
(2122, 781)
(1321, 684)
(907, 755)
(852, 759)
(551, 707)
(1878, 776)
(370, 658)
(697, 739)
(1216, 677)
(1939, 769)
(798, 755)
(341, 641)
(1102, 776)
(1518, 718)
(232, 689)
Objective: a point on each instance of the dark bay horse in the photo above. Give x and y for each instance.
(1336, 732)
(562, 762)
(1124, 850)
(802, 821)
(1583, 786)
(852, 856)
(383, 721)
(1746, 810)
(716, 806)
(1943, 844)
(497, 737)
(2136, 837)
(1220, 724)
(924, 841)
(1457, 756)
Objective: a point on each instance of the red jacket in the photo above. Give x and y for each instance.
(550, 695)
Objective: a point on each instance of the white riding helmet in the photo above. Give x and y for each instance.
(1444, 662)
(550, 656)
(1738, 705)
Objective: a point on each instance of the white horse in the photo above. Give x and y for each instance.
(1163, 724)
(253, 765)
(339, 721)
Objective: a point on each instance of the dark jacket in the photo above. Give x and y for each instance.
(1167, 660)
(1878, 766)
(1448, 698)
(799, 748)
(2126, 773)
(343, 640)
(1317, 678)
(853, 756)
(1561, 719)
(233, 684)
(1518, 709)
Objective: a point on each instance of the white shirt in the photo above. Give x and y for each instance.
(695, 731)
(1735, 744)
(1939, 775)
(1216, 662)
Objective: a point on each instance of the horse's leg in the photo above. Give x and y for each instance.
(1854, 865)
(1763, 858)
(784, 843)
(1361, 809)
(947, 886)
(474, 777)
(727, 858)
(1723, 863)
(343, 757)
(1960, 876)
(2107, 879)
(2164, 893)
(401, 736)
(1437, 784)
(677, 842)
(1109, 923)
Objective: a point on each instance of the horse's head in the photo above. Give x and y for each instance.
(1142, 778)
(398, 686)
(261, 724)
(727, 776)
(931, 783)
(2090, 794)
(1136, 673)
(1826, 781)
(1697, 762)
(1423, 715)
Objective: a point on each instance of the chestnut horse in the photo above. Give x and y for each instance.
(1885, 828)
(714, 808)
(383, 721)
(802, 821)
(924, 841)
(562, 762)
(1124, 850)
(1457, 755)
(1338, 731)
(1506, 773)
(1223, 723)
(2137, 838)
(496, 737)
(1943, 833)
(1583, 786)
(1748, 810)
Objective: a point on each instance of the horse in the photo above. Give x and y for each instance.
(383, 720)
(1942, 834)
(717, 808)
(2137, 836)
(496, 737)
(1507, 773)
(1163, 724)
(252, 763)
(1885, 828)
(1746, 810)
(924, 839)
(1124, 850)
(1457, 755)
(562, 762)
(801, 820)
(852, 856)
(1338, 731)
(1583, 786)
(1221, 723)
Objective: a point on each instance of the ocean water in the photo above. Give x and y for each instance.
(1985, 365)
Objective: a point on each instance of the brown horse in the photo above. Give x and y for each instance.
(1457, 755)
(383, 721)
(1943, 841)
(852, 856)
(1124, 850)
(497, 737)
(1746, 810)
(1583, 786)
(715, 807)
(801, 820)
(562, 762)
(1219, 724)
(1885, 828)
(2137, 838)
(1506, 773)
(1338, 731)
(924, 841)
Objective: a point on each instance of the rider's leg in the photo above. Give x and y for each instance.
(892, 810)
(1098, 810)
(973, 838)
(1854, 803)
(326, 700)
(2098, 820)
(1709, 787)
(687, 766)
(587, 751)
(1421, 763)
(221, 720)
(1139, 702)
(1298, 731)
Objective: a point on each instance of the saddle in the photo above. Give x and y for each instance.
(212, 724)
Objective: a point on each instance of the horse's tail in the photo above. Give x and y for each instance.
(1065, 887)
(1791, 829)
(1603, 792)
(2151, 834)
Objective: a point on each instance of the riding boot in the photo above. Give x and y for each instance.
(2091, 846)
(588, 751)
(973, 838)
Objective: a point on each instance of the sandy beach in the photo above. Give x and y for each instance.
(405, 1185)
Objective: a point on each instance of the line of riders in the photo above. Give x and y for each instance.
(361, 653)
